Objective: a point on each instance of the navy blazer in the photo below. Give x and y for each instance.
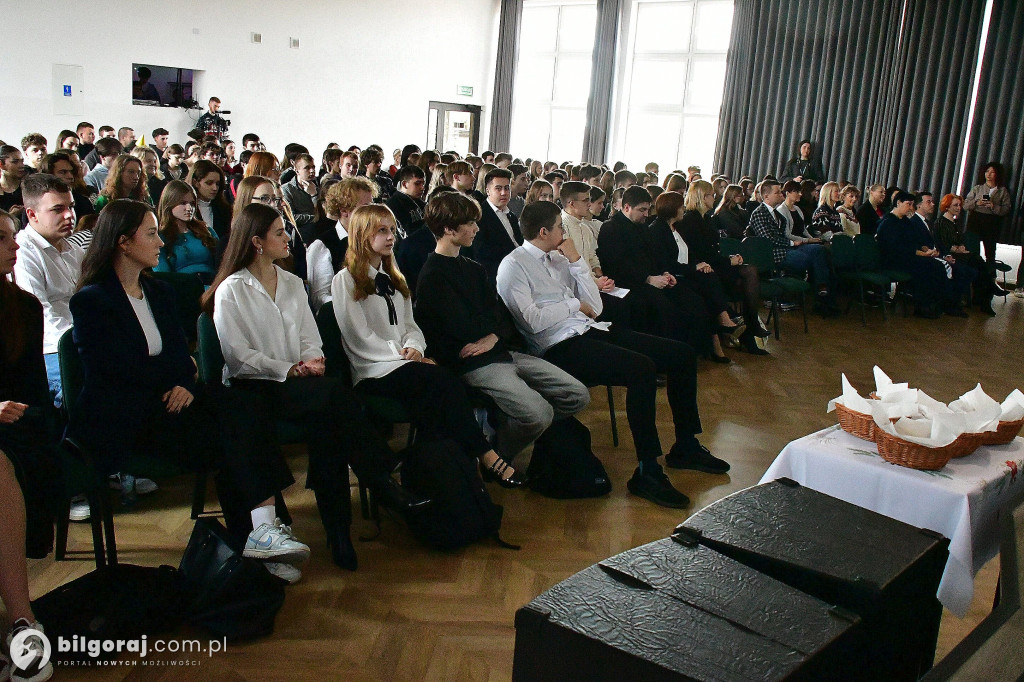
(492, 242)
(123, 385)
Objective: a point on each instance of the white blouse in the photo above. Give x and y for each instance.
(145, 314)
(260, 337)
(373, 345)
(683, 256)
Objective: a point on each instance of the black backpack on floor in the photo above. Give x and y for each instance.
(120, 602)
(462, 511)
(564, 466)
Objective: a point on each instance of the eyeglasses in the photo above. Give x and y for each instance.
(269, 199)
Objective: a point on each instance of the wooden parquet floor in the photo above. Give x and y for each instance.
(409, 613)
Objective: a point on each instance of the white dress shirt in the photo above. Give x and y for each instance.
(373, 345)
(543, 291)
(502, 214)
(206, 213)
(50, 274)
(260, 337)
(319, 269)
(582, 236)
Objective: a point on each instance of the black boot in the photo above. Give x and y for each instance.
(336, 515)
(749, 343)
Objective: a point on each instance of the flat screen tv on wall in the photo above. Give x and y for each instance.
(162, 86)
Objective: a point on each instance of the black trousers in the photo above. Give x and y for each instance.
(331, 417)
(436, 401)
(677, 313)
(620, 357)
(987, 226)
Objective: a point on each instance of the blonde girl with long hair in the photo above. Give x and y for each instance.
(373, 307)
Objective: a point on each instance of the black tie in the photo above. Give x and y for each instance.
(386, 289)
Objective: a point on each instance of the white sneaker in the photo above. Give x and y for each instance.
(79, 509)
(275, 542)
(1019, 292)
(31, 650)
(143, 486)
(285, 572)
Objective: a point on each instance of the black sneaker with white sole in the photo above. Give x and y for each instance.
(657, 488)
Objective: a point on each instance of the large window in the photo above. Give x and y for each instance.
(671, 83)
(552, 86)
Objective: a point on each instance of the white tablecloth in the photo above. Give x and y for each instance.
(962, 501)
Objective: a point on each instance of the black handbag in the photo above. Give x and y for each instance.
(228, 595)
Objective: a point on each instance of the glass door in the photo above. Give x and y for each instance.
(453, 127)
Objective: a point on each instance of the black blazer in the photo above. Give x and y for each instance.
(222, 226)
(868, 218)
(412, 253)
(702, 240)
(666, 250)
(492, 242)
(732, 221)
(626, 253)
(123, 385)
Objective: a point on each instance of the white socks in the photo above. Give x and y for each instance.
(261, 515)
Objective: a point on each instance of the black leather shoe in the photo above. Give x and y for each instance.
(986, 308)
(658, 489)
(400, 500)
(720, 359)
(700, 459)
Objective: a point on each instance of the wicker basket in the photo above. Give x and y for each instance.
(1006, 432)
(912, 455)
(966, 443)
(856, 423)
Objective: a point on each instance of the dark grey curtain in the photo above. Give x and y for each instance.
(920, 143)
(998, 130)
(505, 74)
(883, 88)
(599, 107)
(806, 69)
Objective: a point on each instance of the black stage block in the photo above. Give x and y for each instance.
(675, 611)
(884, 570)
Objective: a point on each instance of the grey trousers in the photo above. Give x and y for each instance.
(531, 393)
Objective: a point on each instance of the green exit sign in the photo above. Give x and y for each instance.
(466, 90)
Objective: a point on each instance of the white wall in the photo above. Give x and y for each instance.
(363, 74)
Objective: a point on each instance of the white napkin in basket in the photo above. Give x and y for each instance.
(1013, 407)
(935, 432)
(981, 412)
(851, 399)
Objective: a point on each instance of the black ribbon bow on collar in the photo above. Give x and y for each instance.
(386, 289)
